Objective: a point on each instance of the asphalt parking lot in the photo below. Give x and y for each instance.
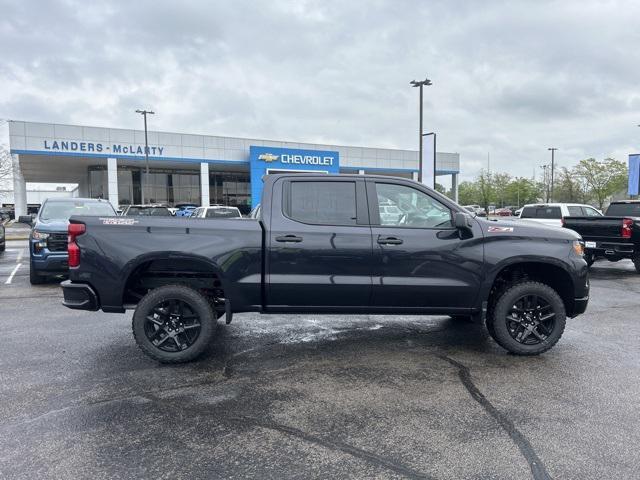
(317, 396)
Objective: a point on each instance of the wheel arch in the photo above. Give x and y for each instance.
(166, 268)
(549, 271)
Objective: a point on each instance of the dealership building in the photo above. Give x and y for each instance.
(185, 168)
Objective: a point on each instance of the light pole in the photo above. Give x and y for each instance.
(144, 113)
(544, 180)
(553, 151)
(420, 84)
(434, 157)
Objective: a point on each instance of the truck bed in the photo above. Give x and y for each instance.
(114, 248)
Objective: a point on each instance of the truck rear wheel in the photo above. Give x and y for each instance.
(636, 262)
(528, 318)
(174, 324)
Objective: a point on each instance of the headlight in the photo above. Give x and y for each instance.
(36, 235)
(578, 247)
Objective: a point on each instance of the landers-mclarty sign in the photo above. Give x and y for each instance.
(93, 147)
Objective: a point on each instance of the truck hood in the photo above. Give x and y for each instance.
(527, 229)
(55, 225)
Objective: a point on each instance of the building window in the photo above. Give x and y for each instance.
(231, 189)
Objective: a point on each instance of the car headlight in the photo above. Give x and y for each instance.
(36, 235)
(578, 247)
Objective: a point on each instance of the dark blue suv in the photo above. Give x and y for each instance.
(48, 238)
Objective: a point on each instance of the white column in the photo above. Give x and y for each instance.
(112, 181)
(204, 184)
(414, 175)
(19, 188)
(454, 186)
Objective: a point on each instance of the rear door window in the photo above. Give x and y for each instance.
(542, 212)
(575, 211)
(321, 203)
(624, 209)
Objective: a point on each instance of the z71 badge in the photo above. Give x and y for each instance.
(119, 221)
(500, 229)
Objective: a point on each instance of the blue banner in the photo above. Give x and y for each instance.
(264, 160)
(634, 174)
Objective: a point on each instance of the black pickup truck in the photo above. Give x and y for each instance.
(335, 244)
(614, 236)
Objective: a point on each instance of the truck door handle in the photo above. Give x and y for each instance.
(389, 241)
(288, 238)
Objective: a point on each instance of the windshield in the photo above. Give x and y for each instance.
(64, 210)
(223, 212)
(624, 209)
(149, 211)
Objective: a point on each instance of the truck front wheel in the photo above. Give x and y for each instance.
(174, 324)
(528, 318)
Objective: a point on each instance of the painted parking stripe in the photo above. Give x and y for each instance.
(12, 274)
(20, 255)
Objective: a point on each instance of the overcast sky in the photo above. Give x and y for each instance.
(509, 78)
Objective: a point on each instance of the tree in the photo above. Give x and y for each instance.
(603, 178)
(468, 193)
(486, 189)
(521, 191)
(501, 183)
(570, 187)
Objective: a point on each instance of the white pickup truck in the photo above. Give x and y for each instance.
(552, 213)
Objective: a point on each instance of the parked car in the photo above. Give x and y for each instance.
(147, 210)
(48, 238)
(481, 212)
(503, 212)
(552, 213)
(614, 236)
(6, 214)
(2, 238)
(185, 209)
(311, 251)
(216, 211)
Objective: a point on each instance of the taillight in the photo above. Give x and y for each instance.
(74, 230)
(562, 221)
(627, 223)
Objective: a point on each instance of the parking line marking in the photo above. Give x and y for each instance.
(12, 274)
(20, 255)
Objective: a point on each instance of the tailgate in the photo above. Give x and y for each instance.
(596, 228)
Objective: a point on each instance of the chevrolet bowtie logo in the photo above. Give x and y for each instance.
(268, 157)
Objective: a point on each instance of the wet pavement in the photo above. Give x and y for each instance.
(317, 396)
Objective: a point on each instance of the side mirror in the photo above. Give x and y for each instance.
(28, 219)
(461, 221)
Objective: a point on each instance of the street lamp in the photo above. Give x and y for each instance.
(434, 157)
(553, 151)
(420, 84)
(144, 113)
(544, 180)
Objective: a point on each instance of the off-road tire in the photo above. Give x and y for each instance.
(498, 326)
(636, 262)
(590, 259)
(35, 278)
(200, 306)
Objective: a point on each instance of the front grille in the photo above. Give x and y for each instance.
(57, 242)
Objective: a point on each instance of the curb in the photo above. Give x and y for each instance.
(16, 237)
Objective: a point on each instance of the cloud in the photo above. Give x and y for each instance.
(509, 78)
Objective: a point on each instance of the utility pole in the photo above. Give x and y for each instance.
(421, 84)
(553, 151)
(545, 180)
(144, 113)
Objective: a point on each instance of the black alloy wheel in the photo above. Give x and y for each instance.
(174, 324)
(530, 320)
